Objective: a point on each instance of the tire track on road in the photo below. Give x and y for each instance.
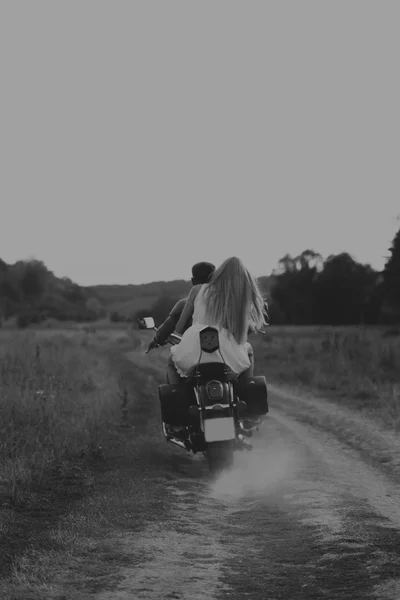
(302, 517)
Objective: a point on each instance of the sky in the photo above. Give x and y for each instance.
(138, 137)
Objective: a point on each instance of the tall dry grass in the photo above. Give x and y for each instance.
(360, 366)
(57, 396)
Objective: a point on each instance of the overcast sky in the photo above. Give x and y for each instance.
(139, 137)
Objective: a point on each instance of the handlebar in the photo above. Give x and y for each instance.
(172, 339)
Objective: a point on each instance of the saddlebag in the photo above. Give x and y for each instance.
(175, 401)
(253, 391)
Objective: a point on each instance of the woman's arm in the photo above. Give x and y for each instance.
(188, 309)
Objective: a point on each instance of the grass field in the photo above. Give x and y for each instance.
(64, 395)
(57, 395)
(59, 391)
(71, 406)
(357, 366)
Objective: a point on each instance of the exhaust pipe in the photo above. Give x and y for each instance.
(174, 440)
(177, 442)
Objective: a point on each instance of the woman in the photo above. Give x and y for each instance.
(231, 302)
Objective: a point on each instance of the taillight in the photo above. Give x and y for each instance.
(215, 390)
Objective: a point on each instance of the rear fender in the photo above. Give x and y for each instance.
(214, 400)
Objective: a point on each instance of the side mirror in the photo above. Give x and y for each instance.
(146, 323)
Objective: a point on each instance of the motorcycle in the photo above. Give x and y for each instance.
(213, 410)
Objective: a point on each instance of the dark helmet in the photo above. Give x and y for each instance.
(202, 271)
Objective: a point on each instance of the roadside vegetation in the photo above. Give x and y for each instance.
(357, 366)
(78, 420)
(57, 395)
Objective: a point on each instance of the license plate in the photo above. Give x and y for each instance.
(220, 429)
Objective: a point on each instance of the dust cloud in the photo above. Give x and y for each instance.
(260, 473)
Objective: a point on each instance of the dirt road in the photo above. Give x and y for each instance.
(299, 517)
(302, 516)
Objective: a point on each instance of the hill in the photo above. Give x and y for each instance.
(31, 293)
(127, 300)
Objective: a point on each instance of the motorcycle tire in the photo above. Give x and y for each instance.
(219, 456)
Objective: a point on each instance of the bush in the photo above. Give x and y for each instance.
(29, 318)
(159, 310)
(116, 317)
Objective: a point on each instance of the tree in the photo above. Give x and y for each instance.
(73, 293)
(7, 290)
(338, 291)
(3, 267)
(9, 298)
(33, 280)
(8, 293)
(96, 310)
(391, 280)
(292, 292)
(342, 289)
(159, 310)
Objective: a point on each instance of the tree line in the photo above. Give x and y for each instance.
(308, 290)
(302, 290)
(31, 293)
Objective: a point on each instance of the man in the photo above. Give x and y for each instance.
(201, 273)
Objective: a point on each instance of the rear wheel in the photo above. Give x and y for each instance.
(219, 455)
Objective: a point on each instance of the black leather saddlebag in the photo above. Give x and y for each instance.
(175, 401)
(254, 392)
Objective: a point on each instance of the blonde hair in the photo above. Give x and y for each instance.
(233, 299)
